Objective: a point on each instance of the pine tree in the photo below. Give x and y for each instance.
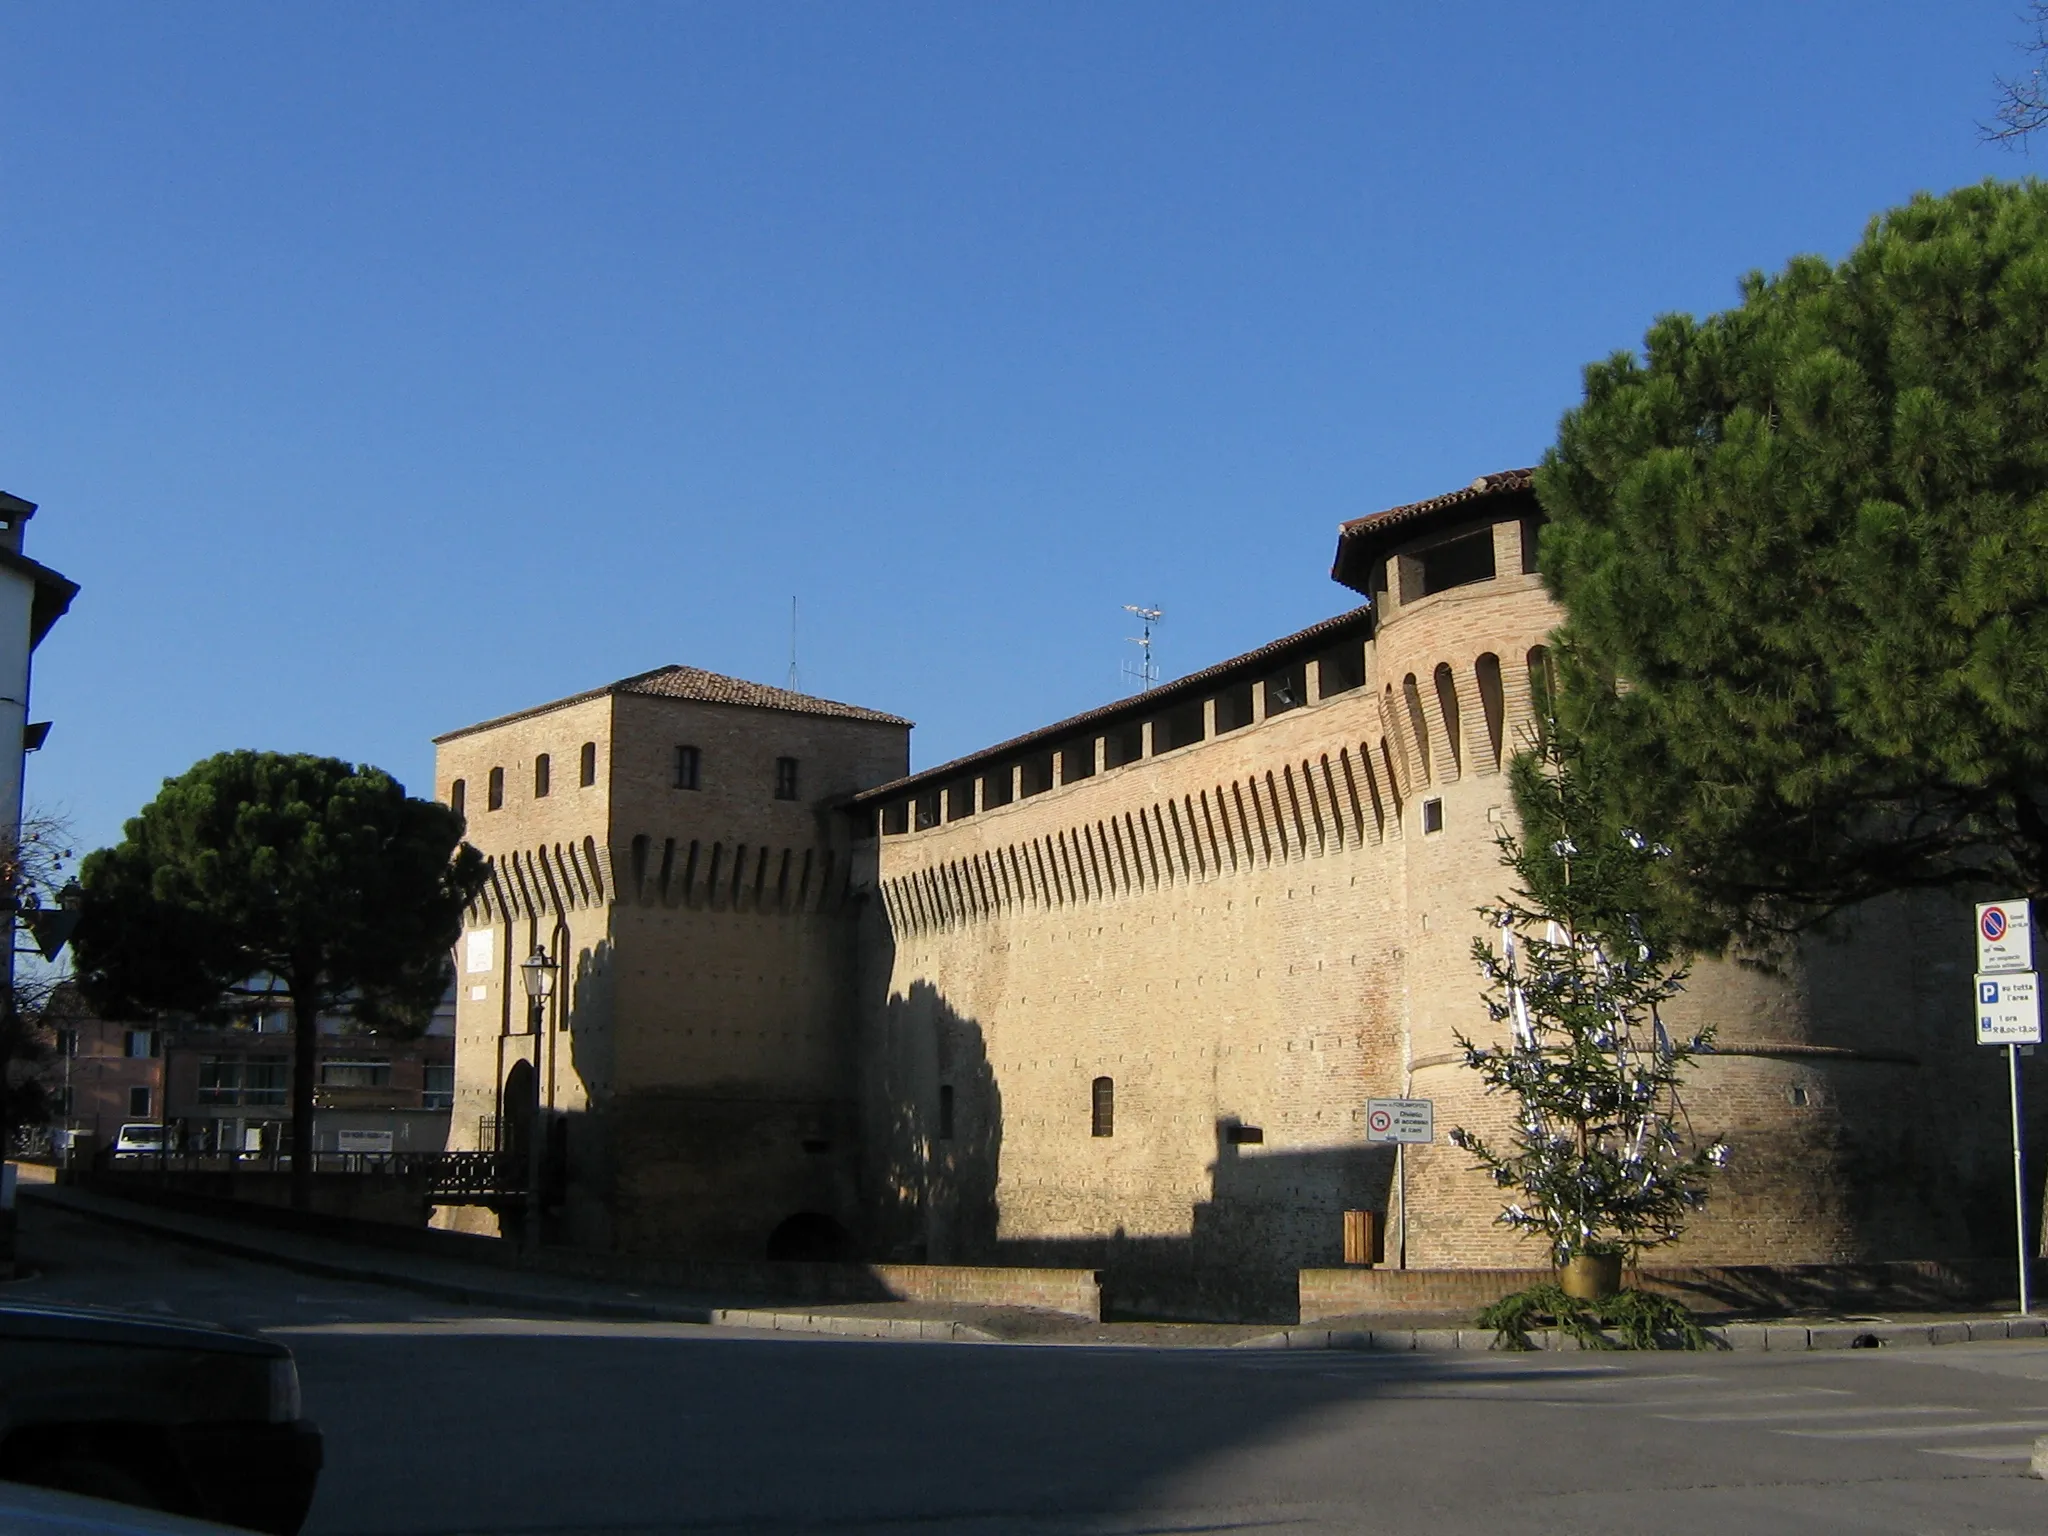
(321, 873)
(1802, 548)
(1596, 1155)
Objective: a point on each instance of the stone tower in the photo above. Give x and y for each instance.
(671, 841)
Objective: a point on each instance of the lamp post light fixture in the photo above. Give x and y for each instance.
(538, 971)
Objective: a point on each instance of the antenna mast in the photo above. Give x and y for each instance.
(792, 647)
(1143, 672)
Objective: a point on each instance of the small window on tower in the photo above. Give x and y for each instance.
(1103, 1107)
(495, 797)
(785, 778)
(458, 795)
(541, 774)
(688, 763)
(587, 771)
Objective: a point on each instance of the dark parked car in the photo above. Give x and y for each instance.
(182, 1417)
(26, 1511)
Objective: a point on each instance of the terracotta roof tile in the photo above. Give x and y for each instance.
(1152, 701)
(1363, 537)
(698, 686)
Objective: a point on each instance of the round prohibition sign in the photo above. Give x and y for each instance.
(1993, 923)
(1380, 1120)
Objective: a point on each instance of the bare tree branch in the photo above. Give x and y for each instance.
(2023, 99)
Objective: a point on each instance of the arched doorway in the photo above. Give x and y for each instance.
(810, 1237)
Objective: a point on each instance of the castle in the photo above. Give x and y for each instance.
(1114, 993)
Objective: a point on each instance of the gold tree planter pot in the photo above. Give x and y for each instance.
(1591, 1276)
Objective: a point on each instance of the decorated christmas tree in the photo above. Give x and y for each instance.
(1599, 1154)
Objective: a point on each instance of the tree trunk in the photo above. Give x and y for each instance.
(305, 1055)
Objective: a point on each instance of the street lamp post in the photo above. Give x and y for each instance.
(538, 972)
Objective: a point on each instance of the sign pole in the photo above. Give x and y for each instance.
(1401, 1181)
(1400, 1121)
(2009, 1014)
(2019, 1182)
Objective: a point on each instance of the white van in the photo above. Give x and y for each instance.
(141, 1140)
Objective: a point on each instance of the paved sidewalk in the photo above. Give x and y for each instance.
(1793, 1335)
(562, 1296)
(526, 1291)
(481, 1285)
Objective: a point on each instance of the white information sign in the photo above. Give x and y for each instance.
(363, 1141)
(2009, 1008)
(1400, 1119)
(2005, 936)
(478, 956)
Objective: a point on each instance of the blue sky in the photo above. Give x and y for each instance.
(383, 367)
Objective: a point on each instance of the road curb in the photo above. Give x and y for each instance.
(1775, 1338)
(607, 1309)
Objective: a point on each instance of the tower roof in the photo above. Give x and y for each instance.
(700, 687)
(1364, 539)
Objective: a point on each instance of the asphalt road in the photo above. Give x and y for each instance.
(445, 1420)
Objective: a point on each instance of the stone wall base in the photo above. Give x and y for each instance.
(1917, 1284)
(1076, 1291)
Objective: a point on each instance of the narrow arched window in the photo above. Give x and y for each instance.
(1412, 696)
(494, 799)
(1447, 703)
(1540, 690)
(540, 777)
(1103, 1107)
(1493, 700)
(587, 771)
(458, 796)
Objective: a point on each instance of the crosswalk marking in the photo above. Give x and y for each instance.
(1805, 1413)
(1769, 1414)
(1982, 1452)
(1701, 1399)
(1908, 1431)
(1606, 1381)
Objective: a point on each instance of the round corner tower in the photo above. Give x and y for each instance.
(1862, 1121)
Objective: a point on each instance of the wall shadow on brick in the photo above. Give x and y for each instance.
(581, 1213)
(1269, 1215)
(938, 1198)
(933, 1194)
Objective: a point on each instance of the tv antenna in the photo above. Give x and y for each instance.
(792, 647)
(1143, 672)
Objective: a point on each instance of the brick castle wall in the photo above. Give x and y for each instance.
(1257, 931)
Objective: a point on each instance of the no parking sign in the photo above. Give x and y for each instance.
(2005, 936)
